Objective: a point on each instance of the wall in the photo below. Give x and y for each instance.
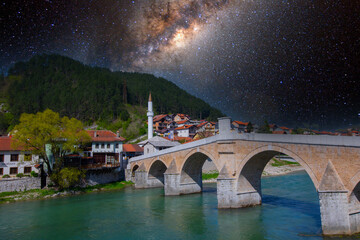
(19, 184)
(20, 164)
(101, 176)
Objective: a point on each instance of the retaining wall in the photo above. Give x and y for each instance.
(20, 184)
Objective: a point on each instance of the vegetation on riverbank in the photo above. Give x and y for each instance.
(279, 163)
(7, 197)
(210, 175)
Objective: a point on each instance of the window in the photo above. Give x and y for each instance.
(102, 145)
(27, 170)
(14, 158)
(97, 145)
(1, 171)
(27, 157)
(13, 170)
(1, 158)
(117, 145)
(108, 145)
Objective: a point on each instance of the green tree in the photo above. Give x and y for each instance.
(249, 127)
(37, 131)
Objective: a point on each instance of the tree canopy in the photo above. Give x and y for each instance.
(92, 93)
(46, 130)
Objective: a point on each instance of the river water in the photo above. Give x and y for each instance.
(290, 210)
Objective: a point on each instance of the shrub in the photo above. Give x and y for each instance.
(20, 175)
(67, 177)
(6, 176)
(34, 174)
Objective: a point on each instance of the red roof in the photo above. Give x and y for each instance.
(5, 144)
(201, 124)
(159, 117)
(181, 122)
(285, 128)
(184, 127)
(241, 123)
(104, 136)
(177, 138)
(132, 148)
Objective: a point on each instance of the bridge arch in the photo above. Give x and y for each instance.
(156, 173)
(248, 184)
(267, 152)
(191, 171)
(133, 170)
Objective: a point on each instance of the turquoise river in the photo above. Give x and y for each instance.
(290, 210)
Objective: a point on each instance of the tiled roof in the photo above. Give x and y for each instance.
(241, 123)
(201, 124)
(284, 128)
(181, 122)
(132, 148)
(159, 117)
(104, 136)
(184, 127)
(5, 144)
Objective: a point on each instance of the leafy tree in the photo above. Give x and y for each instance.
(249, 127)
(37, 132)
(68, 177)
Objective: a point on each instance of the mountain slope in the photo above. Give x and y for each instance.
(92, 93)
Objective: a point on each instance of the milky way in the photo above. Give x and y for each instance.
(290, 62)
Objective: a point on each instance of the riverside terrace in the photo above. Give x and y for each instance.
(332, 162)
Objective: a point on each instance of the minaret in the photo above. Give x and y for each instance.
(150, 115)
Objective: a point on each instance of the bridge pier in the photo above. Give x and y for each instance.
(141, 179)
(172, 184)
(334, 211)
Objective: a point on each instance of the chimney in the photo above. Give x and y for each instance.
(117, 133)
(95, 134)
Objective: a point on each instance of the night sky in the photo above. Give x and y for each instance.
(295, 63)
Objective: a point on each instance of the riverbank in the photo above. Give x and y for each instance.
(273, 168)
(34, 194)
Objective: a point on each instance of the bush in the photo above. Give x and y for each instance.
(6, 176)
(34, 174)
(20, 175)
(67, 177)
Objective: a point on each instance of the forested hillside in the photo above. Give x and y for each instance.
(91, 93)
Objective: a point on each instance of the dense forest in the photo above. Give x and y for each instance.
(92, 93)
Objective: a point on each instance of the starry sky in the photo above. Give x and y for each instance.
(294, 63)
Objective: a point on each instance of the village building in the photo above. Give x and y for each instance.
(156, 144)
(203, 134)
(240, 126)
(186, 131)
(106, 147)
(15, 160)
(181, 117)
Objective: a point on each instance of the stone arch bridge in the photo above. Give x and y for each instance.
(332, 162)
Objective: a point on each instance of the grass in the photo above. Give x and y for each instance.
(279, 163)
(43, 193)
(212, 175)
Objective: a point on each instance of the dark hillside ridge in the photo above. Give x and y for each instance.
(92, 93)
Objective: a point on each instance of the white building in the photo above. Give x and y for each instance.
(186, 131)
(156, 144)
(106, 146)
(14, 161)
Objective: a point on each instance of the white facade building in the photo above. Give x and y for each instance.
(14, 161)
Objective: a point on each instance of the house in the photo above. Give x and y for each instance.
(282, 130)
(181, 117)
(182, 123)
(14, 161)
(204, 134)
(159, 122)
(130, 151)
(156, 144)
(106, 147)
(201, 126)
(240, 126)
(186, 131)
